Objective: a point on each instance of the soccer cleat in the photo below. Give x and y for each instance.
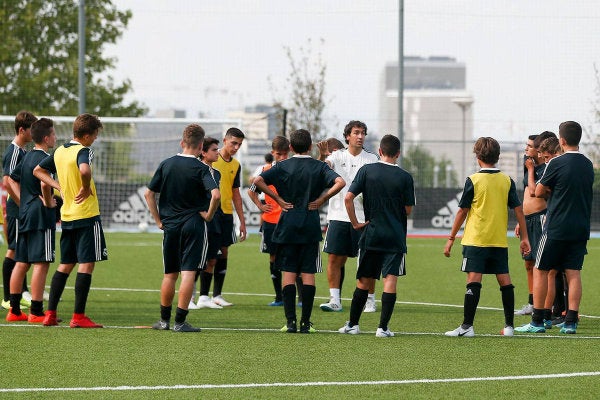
(220, 301)
(276, 303)
(46, 296)
(6, 304)
(350, 330)
(381, 333)
(370, 306)
(290, 327)
(161, 325)
(332, 306)
(558, 321)
(184, 327)
(36, 319)
(193, 306)
(508, 331)
(300, 304)
(307, 327)
(83, 321)
(570, 329)
(10, 317)
(460, 331)
(50, 319)
(26, 299)
(527, 309)
(206, 302)
(530, 328)
(548, 323)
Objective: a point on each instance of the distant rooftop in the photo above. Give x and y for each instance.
(434, 72)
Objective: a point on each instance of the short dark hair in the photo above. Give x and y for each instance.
(300, 141)
(235, 132)
(86, 124)
(40, 129)
(541, 137)
(280, 143)
(389, 145)
(571, 132)
(532, 137)
(353, 124)
(334, 144)
(24, 119)
(193, 135)
(487, 149)
(209, 141)
(269, 158)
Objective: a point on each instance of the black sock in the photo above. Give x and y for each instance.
(289, 302)
(37, 308)
(180, 315)
(508, 303)
(57, 286)
(537, 316)
(388, 301)
(205, 281)
(572, 317)
(25, 289)
(7, 268)
(308, 298)
(530, 299)
(299, 285)
(82, 290)
(359, 299)
(165, 312)
(471, 301)
(276, 278)
(342, 275)
(15, 303)
(219, 275)
(547, 314)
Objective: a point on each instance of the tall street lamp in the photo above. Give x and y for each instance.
(464, 103)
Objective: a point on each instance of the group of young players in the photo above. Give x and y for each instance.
(369, 199)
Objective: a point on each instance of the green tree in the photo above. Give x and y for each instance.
(39, 58)
(305, 90)
(422, 166)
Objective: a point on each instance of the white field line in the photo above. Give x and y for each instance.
(302, 384)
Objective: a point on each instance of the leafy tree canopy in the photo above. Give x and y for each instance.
(39, 58)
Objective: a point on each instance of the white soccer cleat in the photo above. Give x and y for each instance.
(332, 306)
(526, 310)
(381, 333)
(192, 305)
(219, 300)
(351, 330)
(469, 332)
(206, 302)
(46, 296)
(508, 331)
(370, 306)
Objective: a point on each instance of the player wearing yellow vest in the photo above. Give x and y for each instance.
(484, 204)
(82, 239)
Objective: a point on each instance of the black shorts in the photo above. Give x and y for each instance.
(12, 231)
(184, 249)
(560, 254)
(83, 245)
(341, 239)
(298, 258)
(213, 246)
(485, 260)
(266, 244)
(534, 222)
(374, 264)
(228, 235)
(36, 247)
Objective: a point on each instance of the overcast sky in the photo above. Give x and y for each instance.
(530, 64)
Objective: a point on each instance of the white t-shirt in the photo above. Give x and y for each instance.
(347, 165)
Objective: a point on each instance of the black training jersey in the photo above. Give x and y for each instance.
(12, 155)
(299, 180)
(386, 190)
(538, 171)
(33, 215)
(570, 176)
(182, 182)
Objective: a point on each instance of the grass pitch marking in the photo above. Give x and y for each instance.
(302, 384)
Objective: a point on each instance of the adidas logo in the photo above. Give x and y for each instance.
(445, 215)
(469, 291)
(134, 210)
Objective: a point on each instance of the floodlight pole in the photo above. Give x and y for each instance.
(464, 103)
(401, 78)
(81, 55)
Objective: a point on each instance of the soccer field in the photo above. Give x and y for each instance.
(240, 352)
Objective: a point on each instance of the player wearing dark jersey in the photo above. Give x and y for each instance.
(388, 198)
(12, 155)
(37, 225)
(303, 185)
(182, 210)
(82, 238)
